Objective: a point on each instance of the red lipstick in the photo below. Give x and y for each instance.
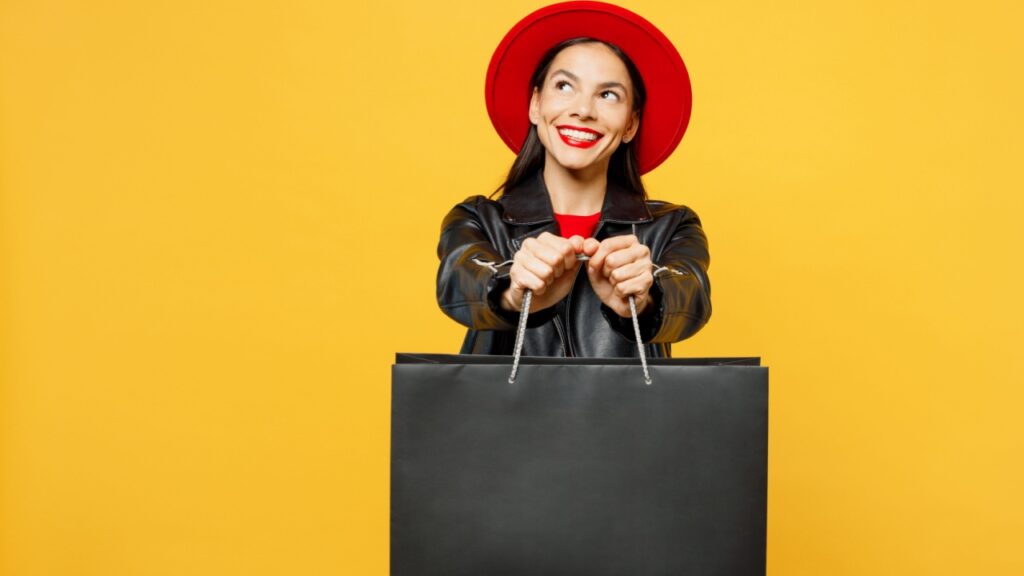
(581, 138)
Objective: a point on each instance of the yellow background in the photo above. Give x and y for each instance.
(218, 222)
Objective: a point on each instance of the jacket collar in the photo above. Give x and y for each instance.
(529, 203)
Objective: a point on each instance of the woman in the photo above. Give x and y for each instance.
(607, 100)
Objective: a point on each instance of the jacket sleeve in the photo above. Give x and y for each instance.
(473, 275)
(681, 293)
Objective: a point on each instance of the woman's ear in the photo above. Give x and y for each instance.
(535, 107)
(634, 125)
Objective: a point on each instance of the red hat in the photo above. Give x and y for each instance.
(667, 110)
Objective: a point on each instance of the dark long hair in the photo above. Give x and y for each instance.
(623, 167)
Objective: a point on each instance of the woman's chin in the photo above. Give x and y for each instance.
(575, 164)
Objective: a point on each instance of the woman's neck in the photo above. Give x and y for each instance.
(575, 192)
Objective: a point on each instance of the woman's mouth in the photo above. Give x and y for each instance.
(578, 137)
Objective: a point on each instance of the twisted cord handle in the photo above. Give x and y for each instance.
(520, 332)
(524, 312)
(639, 341)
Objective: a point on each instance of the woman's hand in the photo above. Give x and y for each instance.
(620, 267)
(546, 265)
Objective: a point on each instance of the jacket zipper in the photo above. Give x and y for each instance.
(567, 337)
(561, 336)
(568, 304)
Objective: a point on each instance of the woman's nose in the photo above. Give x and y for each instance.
(583, 107)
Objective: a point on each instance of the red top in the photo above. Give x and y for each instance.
(572, 225)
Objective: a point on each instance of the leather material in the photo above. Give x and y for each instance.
(578, 468)
(479, 235)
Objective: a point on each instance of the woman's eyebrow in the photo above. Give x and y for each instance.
(565, 72)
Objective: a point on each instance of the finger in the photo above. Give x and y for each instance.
(561, 245)
(543, 249)
(625, 256)
(637, 286)
(571, 263)
(609, 245)
(556, 242)
(524, 279)
(552, 256)
(598, 282)
(548, 236)
(540, 269)
(527, 249)
(575, 247)
(590, 246)
(629, 271)
(564, 248)
(620, 242)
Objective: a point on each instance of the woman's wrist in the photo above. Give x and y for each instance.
(506, 302)
(642, 303)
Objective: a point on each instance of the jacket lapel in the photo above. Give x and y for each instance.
(529, 203)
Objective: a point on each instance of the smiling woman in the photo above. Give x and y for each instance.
(589, 96)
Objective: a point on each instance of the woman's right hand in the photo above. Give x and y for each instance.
(547, 266)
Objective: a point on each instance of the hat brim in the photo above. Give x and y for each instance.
(666, 113)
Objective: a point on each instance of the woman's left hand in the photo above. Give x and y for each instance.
(620, 267)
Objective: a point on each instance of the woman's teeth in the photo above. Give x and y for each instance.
(578, 135)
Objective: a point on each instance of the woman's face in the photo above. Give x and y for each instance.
(584, 110)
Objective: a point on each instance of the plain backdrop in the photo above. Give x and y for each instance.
(218, 224)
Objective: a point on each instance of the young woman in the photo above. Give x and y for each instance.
(590, 96)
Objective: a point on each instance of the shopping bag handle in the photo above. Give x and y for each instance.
(524, 312)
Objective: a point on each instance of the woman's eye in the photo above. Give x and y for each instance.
(562, 86)
(609, 95)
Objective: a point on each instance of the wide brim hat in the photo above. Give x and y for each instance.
(666, 112)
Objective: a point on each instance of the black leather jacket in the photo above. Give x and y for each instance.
(480, 236)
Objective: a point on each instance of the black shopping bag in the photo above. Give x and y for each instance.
(578, 468)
